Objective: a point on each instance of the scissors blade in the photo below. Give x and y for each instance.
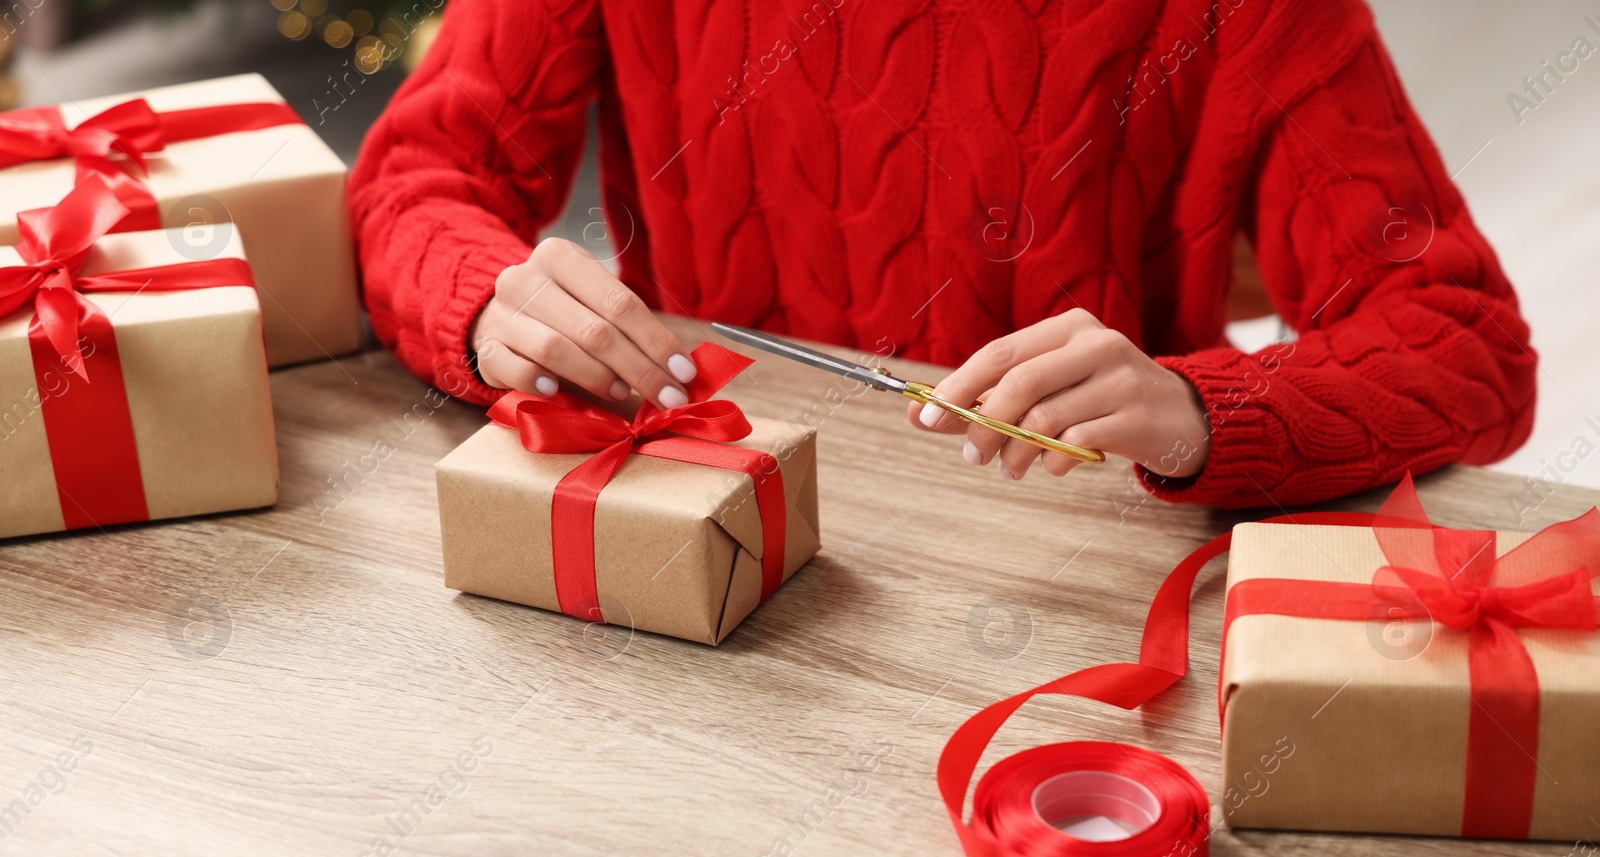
(810, 357)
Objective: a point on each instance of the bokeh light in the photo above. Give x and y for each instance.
(295, 25)
(337, 33)
(369, 55)
(360, 21)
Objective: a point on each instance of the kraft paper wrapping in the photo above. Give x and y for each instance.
(283, 188)
(678, 546)
(196, 377)
(1373, 716)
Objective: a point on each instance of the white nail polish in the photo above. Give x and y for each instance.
(672, 397)
(971, 454)
(1006, 474)
(681, 368)
(930, 415)
(619, 390)
(546, 385)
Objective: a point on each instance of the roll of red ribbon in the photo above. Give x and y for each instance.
(1021, 804)
(1092, 798)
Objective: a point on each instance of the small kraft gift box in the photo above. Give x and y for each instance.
(678, 522)
(199, 154)
(1408, 678)
(133, 380)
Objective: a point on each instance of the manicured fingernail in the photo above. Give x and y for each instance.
(681, 368)
(1006, 473)
(546, 385)
(619, 390)
(971, 454)
(930, 415)
(672, 397)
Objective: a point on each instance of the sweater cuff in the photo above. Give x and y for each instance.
(1246, 458)
(455, 366)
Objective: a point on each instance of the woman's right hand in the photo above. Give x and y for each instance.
(562, 315)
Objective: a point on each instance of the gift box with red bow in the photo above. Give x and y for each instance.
(194, 156)
(133, 381)
(678, 522)
(1409, 678)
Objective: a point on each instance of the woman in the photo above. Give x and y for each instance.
(1047, 194)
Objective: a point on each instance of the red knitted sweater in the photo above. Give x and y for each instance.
(929, 176)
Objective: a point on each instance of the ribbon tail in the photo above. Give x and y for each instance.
(572, 531)
(90, 430)
(715, 366)
(1502, 735)
(56, 318)
(143, 213)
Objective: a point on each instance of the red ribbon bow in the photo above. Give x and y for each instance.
(89, 427)
(132, 129)
(40, 133)
(696, 433)
(56, 242)
(1453, 577)
(1563, 601)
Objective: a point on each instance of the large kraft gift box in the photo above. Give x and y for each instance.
(279, 184)
(193, 374)
(1373, 680)
(678, 547)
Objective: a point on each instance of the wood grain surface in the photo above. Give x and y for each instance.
(299, 681)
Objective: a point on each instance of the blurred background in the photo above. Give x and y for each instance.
(1526, 161)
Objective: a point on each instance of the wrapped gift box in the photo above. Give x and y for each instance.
(678, 547)
(195, 374)
(280, 185)
(1362, 722)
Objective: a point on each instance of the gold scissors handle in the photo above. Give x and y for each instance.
(923, 393)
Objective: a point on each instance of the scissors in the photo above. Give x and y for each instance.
(879, 379)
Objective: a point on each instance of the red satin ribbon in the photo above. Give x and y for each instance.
(1013, 800)
(1489, 598)
(1005, 826)
(1454, 578)
(701, 432)
(88, 426)
(133, 130)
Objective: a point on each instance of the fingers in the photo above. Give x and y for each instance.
(931, 417)
(1071, 378)
(992, 362)
(503, 369)
(534, 343)
(1094, 434)
(604, 318)
(1040, 385)
(1067, 417)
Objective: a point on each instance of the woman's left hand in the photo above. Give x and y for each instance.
(1072, 378)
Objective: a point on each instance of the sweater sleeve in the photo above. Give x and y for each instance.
(473, 156)
(1411, 352)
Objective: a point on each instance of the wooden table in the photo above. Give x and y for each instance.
(298, 680)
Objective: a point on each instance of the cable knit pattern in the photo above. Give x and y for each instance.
(930, 175)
